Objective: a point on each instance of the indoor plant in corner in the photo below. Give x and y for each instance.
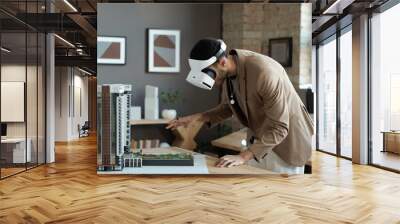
(170, 99)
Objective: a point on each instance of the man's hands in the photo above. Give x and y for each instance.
(184, 121)
(225, 161)
(235, 160)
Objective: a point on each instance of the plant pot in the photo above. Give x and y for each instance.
(169, 114)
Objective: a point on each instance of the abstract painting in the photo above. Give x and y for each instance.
(111, 50)
(163, 50)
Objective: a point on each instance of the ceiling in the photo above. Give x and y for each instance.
(76, 22)
(332, 15)
(76, 25)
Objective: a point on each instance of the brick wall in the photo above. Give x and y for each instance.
(251, 26)
(305, 45)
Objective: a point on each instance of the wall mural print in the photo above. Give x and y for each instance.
(111, 50)
(163, 50)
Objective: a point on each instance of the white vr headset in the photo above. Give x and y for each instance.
(200, 75)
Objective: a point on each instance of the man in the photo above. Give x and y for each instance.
(257, 90)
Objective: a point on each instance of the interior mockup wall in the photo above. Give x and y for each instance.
(195, 21)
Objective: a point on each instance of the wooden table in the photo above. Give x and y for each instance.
(243, 169)
(391, 141)
(210, 162)
(232, 141)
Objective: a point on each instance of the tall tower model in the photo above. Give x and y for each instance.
(113, 131)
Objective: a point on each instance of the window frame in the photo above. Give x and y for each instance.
(333, 37)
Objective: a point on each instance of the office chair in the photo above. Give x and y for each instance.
(84, 130)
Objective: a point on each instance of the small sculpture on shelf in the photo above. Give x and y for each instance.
(151, 110)
(170, 99)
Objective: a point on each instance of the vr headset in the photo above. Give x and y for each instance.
(202, 76)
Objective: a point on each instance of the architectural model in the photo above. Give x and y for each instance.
(114, 150)
(114, 103)
(141, 159)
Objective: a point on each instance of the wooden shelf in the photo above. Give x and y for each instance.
(149, 122)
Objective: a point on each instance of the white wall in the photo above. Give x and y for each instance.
(70, 83)
(79, 117)
(33, 126)
(61, 99)
(17, 73)
(12, 73)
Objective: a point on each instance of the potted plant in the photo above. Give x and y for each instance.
(170, 99)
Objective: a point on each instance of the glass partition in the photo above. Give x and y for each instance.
(23, 88)
(13, 94)
(31, 98)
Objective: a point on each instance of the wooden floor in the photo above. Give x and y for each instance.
(5, 172)
(69, 191)
(386, 159)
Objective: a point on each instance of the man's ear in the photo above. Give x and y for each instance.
(222, 61)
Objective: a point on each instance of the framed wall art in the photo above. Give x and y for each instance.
(163, 50)
(281, 50)
(111, 50)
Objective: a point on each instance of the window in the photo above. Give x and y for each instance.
(346, 93)
(334, 137)
(327, 96)
(385, 89)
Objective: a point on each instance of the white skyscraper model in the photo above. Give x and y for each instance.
(113, 133)
(151, 103)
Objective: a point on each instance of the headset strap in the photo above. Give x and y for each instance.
(219, 53)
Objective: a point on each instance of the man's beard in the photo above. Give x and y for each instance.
(220, 79)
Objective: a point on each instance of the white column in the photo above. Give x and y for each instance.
(63, 103)
(50, 99)
(360, 90)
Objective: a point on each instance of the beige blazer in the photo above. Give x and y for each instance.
(272, 109)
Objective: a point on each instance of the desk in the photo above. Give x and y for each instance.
(16, 147)
(391, 141)
(209, 163)
(232, 141)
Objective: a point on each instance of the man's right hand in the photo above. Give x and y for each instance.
(184, 121)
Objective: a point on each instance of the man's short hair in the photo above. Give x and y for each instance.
(205, 49)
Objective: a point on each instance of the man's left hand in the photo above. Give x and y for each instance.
(234, 160)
